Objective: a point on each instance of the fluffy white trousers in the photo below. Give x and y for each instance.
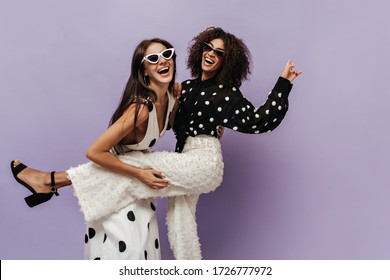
(198, 169)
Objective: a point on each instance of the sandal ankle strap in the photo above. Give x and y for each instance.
(53, 184)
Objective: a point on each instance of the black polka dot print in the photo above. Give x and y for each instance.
(96, 259)
(131, 216)
(156, 244)
(146, 254)
(148, 225)
(152, 206)
(122, 246)
(91, 233)
(213, 104)
(86, 239)
(152, 143)
(104, 238)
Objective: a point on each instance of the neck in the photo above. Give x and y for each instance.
(160, 91)
(206, 76)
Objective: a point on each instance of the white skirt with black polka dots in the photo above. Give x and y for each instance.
(198, 169)
(129, 234)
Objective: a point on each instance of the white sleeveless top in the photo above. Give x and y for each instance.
(153, 133)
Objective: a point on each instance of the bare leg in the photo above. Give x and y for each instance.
(40, 181)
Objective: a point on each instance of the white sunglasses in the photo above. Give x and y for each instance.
(155, 57)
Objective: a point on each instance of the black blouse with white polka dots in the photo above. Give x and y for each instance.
(205, 105)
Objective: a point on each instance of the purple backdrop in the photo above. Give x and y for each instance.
(316, 188)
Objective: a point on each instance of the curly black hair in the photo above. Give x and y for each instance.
(237, 59)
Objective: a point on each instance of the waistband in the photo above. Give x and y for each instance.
(201, 142)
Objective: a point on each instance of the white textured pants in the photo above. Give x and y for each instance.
(198, 169)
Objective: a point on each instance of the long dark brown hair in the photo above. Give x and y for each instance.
(236, 61)
(137, 90)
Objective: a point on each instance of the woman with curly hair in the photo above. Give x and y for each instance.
(219, 63)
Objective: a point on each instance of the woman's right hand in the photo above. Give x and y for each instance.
(152, 178)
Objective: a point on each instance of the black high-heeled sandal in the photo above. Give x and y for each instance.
(36, 198)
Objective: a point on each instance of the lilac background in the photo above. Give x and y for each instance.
(316, 188)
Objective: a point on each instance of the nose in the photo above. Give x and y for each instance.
(162, 60)
(211, 53)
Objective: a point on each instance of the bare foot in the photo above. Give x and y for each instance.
(38, 180)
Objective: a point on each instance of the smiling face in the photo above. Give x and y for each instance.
(160, 73)
(212, 63)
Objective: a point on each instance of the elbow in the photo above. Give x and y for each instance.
(90, 155)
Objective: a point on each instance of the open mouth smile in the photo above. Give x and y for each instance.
(163, 71)
(208, 61)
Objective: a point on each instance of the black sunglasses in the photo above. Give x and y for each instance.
(207, 47)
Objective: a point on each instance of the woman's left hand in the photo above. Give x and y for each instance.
(289, 72)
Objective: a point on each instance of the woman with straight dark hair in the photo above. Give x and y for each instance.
(140, 120)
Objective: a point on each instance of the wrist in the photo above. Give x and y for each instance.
(136, 173)
(283, 85)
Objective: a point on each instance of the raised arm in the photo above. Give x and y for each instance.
(244, 117)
